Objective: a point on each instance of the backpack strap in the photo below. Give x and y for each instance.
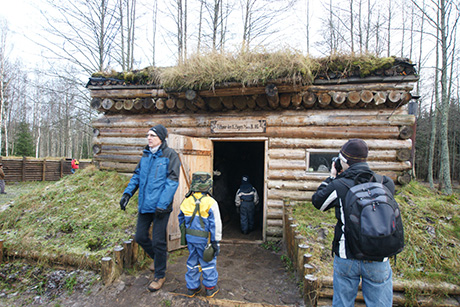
(196, 232)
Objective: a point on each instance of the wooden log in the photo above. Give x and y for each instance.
(44, 170)
(170, 103)
(107, 270)
(190, 94)
(228, 102)
(394, 96)
(271, 92)
(180, 104)
(160, 104)
(107, 103)
(118, 253)
(138, 103)
(262, 102)
(405, 132)
(240, 102)
(191, 106)
(135, 248)
(366, 96)
(377, 132)
(286, 214)
(128, 104)
(285, 100)
(251, 102)
(200, 103)
(327, 117)
(308, 99)
(406, 97)
(128, 93)
(302, 249)
(215, 104)
(380, 144)
(405, 178)
(96, 149)
(118, 105)
(128, 254)
(291, 243)
(380, 98)
(310, 290)
(96, 103)
(338, 98)
(148, 103)
(353, 98)
(308, 269)
(324, 100)
(296, 100)
(403, 154)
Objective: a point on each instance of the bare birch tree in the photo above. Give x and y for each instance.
(82, 32)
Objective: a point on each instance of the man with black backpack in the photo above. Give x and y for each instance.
(368, 229)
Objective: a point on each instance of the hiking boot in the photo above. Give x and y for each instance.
(152, 267)
(193, 292)
(210, 292)
(156, 284)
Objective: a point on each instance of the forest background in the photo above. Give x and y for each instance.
(49, 49)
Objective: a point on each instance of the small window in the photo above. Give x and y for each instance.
(319, 160)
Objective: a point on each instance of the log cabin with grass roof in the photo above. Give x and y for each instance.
(277, 117)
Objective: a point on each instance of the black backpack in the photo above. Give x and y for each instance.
(373, 224)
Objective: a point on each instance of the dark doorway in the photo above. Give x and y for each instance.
(232, 160)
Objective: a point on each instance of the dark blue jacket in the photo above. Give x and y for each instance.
(157, 178)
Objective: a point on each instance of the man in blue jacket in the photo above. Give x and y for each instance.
(157, 178)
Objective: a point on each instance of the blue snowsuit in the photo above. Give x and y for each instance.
(246, 200)
(210, 222)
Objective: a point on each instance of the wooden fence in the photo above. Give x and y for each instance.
(31, 169)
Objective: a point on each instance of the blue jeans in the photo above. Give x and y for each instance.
(156, 247)
(377, 284)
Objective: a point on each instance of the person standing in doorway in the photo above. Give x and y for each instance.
(2, 180)
(246, 200)
(376, 276)
(156, 177)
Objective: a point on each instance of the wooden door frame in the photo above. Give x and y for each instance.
(265, 185)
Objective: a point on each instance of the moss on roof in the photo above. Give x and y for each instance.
(213, 69)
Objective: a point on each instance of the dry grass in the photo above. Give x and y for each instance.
(206, 71)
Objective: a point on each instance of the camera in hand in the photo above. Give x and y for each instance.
(338, 165)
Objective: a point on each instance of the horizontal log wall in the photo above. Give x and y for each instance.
(119, 141)
(31, 169)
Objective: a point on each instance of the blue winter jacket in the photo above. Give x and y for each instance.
(157, 178)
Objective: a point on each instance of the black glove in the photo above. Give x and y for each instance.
(160, 213)
(216, 246)
(124, 201)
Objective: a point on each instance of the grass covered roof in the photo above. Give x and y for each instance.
(214, 69)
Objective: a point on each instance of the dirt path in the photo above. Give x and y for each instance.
(249, 275)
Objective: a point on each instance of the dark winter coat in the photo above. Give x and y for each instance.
(331, 194)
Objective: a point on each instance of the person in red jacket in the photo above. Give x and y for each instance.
(75, 165)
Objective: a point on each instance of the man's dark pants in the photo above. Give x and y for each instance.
(156, 247)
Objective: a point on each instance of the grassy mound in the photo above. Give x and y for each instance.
(431, 229)
(77, 217)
